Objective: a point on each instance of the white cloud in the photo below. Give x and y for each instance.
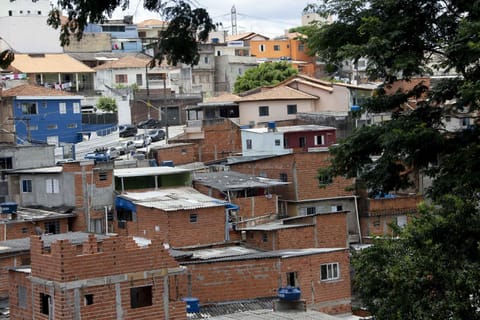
(268, 17)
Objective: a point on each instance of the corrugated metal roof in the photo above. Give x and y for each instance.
(172, 199)
(48, 170)
(147, 171)
(232, 180)
(31, 214)
(49, 63)
(223, 254)
(277, 225)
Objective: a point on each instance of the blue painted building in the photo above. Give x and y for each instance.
(124, 35)
(43, 115)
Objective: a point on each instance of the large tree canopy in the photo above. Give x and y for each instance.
(177, 44)
(268, 73)
(431, 270)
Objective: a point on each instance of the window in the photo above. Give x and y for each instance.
(52, 186)
(142, 34)
(45, 302)
(113, 28)
(140, 297)
(71, 125)
(329, 271)
(324, 176)
(102, 176)
(292, 109)
(139, 79)
(261, 48)
(302, 142)
(29, 107)
(121, 78)
(24, 230)
(249, 144)
(62, 108)
(6, 163)
(52, 227)
(292, 279)
(465, 122)
(193, 218)
(205, 60)
(276, 47)
(124, 215)
(88, 299)
(33, 128)
(52, 127)
(265, 237)
(26, 186)
(263, 111)
(336, 208)
(319, 140)
(22, 297)
(283, 177)
(402, 221)
(277, 142)
(219, 53)
(76, 107)
(301, 47)
(311, 210)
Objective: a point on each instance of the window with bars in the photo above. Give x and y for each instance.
(121, 78)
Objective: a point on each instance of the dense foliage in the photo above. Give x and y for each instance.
(431, 271)
(107, 104)
(268, 73)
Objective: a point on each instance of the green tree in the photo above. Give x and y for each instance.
(177, 44)
(431, 270)
(107, 104)
(268, 73)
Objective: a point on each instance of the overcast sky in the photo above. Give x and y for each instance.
(267, 17)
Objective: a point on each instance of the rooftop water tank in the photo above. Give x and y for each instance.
(271, 126)
(192, 304)
(8, 207)
(289, 293)
(355, 108)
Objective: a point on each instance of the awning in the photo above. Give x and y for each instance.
(121, 203)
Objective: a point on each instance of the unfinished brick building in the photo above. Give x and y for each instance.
(116, 278)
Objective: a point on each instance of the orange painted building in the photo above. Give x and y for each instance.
(285, 49)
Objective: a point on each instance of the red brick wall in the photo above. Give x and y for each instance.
(248, 279)
(221, 139)
(19, 279)
(9, 261)
(175, 227)
(258, 206)
(302, 172)
(114, 256)
(15, 230)
(325, 231)
(179, 154)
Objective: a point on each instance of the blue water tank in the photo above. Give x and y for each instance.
(289, 293)
(167, 163)
(8, 207)
(192, 304)
(215, 40)
(271, 125)
(355, 108)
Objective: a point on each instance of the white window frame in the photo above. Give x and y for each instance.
(261, 47)
(62, 107)
(322, 140)
(329, 271)
(52, 186)
(76, 107)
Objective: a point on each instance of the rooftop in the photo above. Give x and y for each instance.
(232, 180)
(278, 93)
(49, 63)
(147, 171)
(172, 199)
(299, 128)
(30, 90)
(32, 214)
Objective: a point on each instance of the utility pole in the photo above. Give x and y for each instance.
(165, 108)
(234, 20)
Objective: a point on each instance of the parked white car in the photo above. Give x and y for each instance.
(141, 140)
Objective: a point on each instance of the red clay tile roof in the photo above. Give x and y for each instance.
(33, 90)
(124, 62)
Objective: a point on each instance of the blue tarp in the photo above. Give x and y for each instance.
(125, 204)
